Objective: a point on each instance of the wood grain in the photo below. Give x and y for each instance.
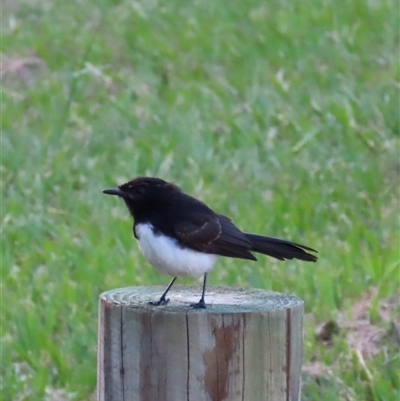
(247, 345)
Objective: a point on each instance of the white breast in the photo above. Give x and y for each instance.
(165, 255)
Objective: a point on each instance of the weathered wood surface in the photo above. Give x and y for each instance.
(246, 346)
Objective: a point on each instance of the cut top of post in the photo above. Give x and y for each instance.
(218, 299)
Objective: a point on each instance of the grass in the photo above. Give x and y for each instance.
(284, 115)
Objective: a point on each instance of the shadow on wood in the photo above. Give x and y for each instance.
(246, 346)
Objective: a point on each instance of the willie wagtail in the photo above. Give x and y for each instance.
(181, 236)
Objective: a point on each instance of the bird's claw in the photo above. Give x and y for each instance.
(200, 305)
(161, 301)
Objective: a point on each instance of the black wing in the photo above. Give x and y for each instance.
(215, 234)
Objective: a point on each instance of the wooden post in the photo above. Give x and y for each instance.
(246, 346)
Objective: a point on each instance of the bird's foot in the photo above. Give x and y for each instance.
(161, 301)
(200, 305)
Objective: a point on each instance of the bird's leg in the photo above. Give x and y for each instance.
(163, 300)
(201, 304)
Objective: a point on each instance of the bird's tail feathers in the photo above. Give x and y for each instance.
(280, 249)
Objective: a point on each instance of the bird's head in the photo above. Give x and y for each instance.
(144, 193)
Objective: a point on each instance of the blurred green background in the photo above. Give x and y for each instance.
(283, 115)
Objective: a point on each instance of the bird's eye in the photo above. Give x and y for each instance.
(139, 190)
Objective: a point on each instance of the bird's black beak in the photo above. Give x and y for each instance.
(115, 191)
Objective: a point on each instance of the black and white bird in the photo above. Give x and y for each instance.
(181, 236)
